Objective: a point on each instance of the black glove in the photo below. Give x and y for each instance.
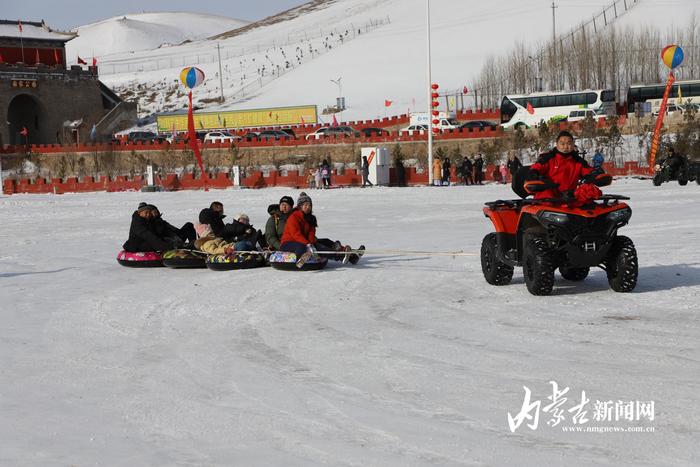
(568, 196)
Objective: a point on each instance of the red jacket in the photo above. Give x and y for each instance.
(298, 229)
(563, 169)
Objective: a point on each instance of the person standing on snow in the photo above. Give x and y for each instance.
(437, 171)
(479, 170)
(365, 172)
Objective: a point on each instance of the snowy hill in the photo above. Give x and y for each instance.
(376, 46)
(145, 31)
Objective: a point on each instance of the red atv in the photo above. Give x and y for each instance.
(542, 235)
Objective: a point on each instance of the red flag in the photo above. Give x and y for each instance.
(530, 109)
(37, 56)
(269, 115)
(465, 90)
(55, 56)
(302, 120)
(194, 143)
(387, 103)
(94, 61)
(81, 61)
(19, 23)
(24, 131)
(335, 122)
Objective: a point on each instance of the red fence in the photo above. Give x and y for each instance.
(292, 178)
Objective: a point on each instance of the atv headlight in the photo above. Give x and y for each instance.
(555, 217)
(621, 215)
(657, 167)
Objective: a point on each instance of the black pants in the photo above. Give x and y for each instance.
(187, 233)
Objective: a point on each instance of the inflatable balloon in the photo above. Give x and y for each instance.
(672, 55)
(191, 77)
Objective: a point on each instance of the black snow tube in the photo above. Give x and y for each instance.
(285, 261)
(185, 259)
(235, 261)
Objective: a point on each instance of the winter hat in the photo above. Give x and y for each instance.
(303, 198)
(243, 216)
(143, 207)
(288, 200)
(273, 208)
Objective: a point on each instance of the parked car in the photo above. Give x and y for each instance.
(290, 132)
(251, 135)
(221, 137)
(273, 134)
(144, 137)
(318, 134)
(179, 138)
(417, 129)
(342, 131)
(476, 125)
(369, 132)
(580, 115)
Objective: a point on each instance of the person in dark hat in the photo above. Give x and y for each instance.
(274, 228)
(143, 235)
(235, 231)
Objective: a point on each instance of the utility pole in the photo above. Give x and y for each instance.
(221, 76)
(554, 36)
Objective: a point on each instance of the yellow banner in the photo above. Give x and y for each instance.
(274, 116)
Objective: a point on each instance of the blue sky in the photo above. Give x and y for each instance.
(67, 14)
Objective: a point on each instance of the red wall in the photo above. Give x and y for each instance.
(292, 179)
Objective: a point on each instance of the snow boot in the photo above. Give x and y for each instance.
(356, 257)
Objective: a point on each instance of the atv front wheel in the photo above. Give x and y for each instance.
(657, 180)
(574, 274)
(537, 267)
(682, 181)
(621, 265)
(495, 272)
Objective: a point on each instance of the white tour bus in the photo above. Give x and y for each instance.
(682, 93)
(553, 106)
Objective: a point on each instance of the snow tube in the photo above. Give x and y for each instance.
(184, 259)
(286, 261)
(235, 261)
(141, 259)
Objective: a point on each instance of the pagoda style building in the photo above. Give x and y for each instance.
(42, 101)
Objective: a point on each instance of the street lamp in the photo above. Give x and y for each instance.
(430, 100)
(339, 101)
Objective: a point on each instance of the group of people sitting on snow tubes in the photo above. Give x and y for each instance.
(289, 229)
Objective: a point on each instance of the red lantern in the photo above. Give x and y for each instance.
(436, 113)
(436, 130)
(435, 121)
(435, 86)
(435, 95)
(435, 104)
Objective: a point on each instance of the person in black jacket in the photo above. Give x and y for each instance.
(514, 165)
(182, 236)
(142, 233)
(446, 165)
(467, 168)
(479, 170)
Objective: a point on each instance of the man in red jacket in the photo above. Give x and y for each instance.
(564, 167)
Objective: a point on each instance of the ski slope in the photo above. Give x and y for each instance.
(144, 31)
(385, 63)
(400, 360)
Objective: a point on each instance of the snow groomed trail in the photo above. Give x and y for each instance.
(395, 361)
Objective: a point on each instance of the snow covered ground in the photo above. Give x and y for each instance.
(396, 361)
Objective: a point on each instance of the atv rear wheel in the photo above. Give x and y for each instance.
(537, 267)
(657, 179)
(495, 271)
(682, 181)
(574, 274)
(621, 265)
